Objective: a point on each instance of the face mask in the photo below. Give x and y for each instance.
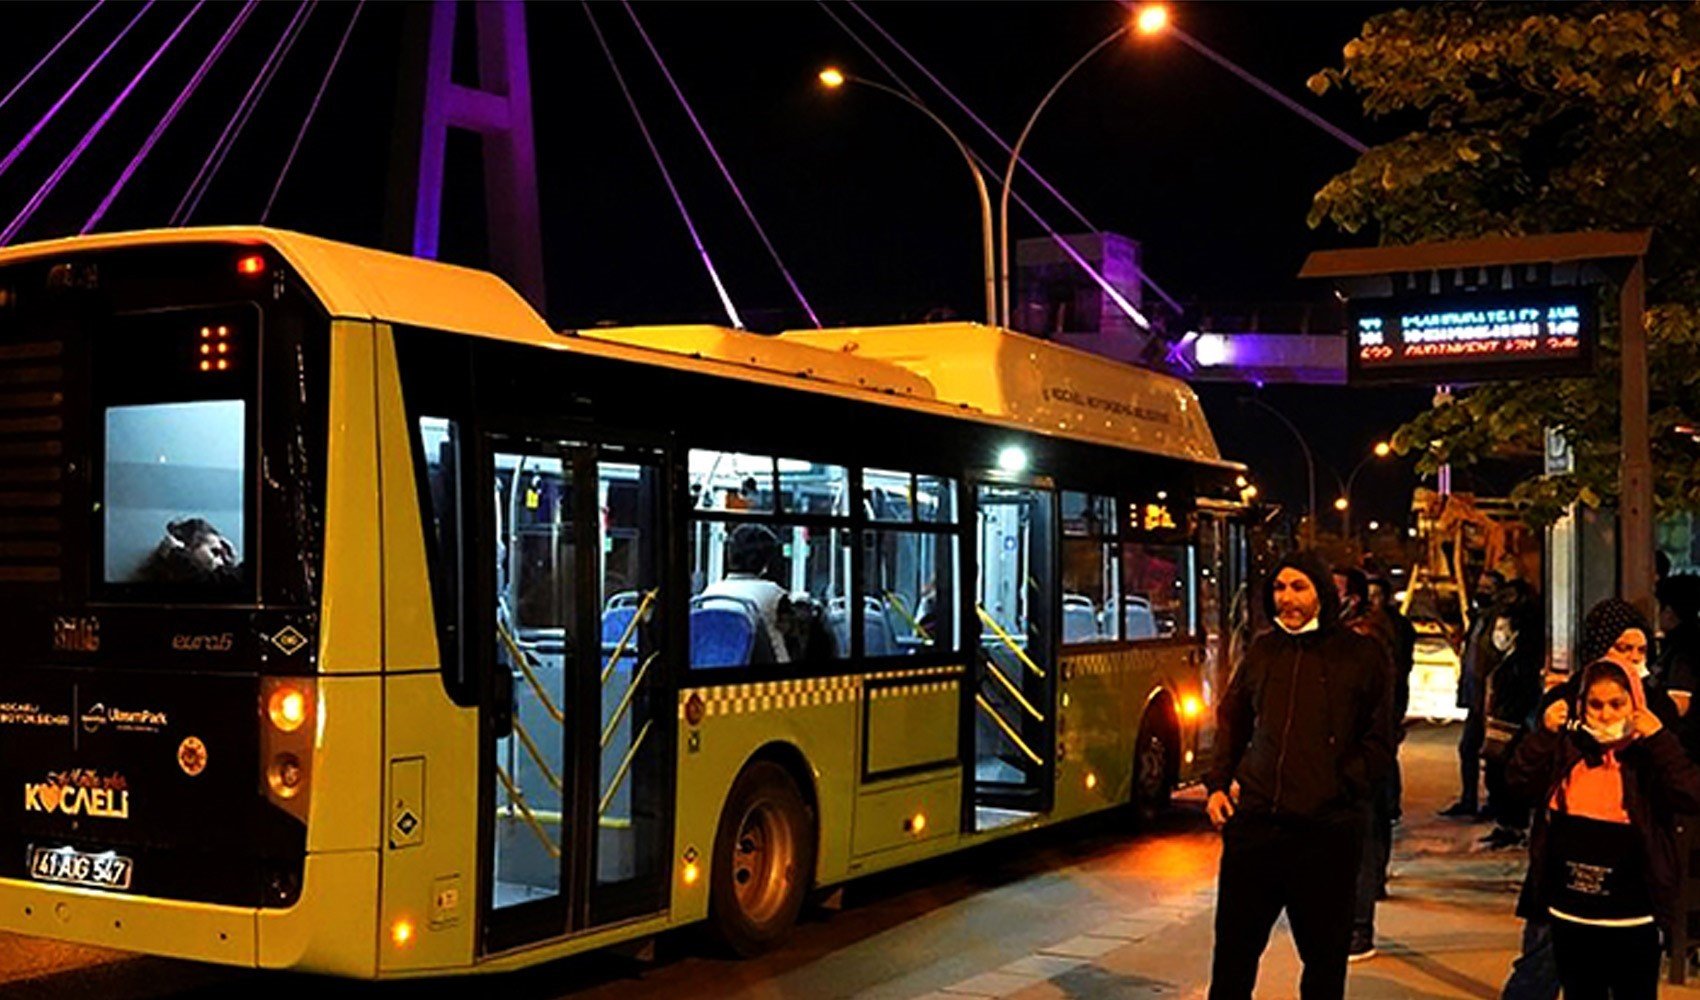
(1608, 734)
(1310, 626)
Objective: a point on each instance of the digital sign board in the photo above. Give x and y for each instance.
(1473, 337)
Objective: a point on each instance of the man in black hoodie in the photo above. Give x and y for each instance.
(1304, 735)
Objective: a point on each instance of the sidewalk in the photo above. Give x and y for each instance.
(1448, 930)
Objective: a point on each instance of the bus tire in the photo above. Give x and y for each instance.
(1153, 768)
(764, 860)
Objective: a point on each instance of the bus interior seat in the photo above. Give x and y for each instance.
(723, 631)
(1138, 619)
(1080, 618)
(878, 638)
(838, 623)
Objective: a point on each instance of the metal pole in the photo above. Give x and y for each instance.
(1635, 472)
(1310, 467)
(986, 246)
(1015, 158)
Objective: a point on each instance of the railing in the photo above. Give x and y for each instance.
(1008, 687)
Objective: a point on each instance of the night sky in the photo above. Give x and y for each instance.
(867, 202)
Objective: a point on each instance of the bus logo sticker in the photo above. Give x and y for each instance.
(139, 720)
(219, 642)
(289, 640)
(76, 635)
(192, 756)
(79, 792)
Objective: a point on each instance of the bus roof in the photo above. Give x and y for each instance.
(959, 368)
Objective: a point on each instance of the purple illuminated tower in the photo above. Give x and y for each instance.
(498, 110)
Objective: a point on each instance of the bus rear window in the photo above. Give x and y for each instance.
(174, 492)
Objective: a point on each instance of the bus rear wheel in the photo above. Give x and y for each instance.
(763, 860)
(1153, 769)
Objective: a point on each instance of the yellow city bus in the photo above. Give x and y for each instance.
(358, 622)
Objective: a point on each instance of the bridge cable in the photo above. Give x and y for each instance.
(41, 123)
(997, 138)
(737, 192)
(312, 110)
(50, 53)
(18, 222)
(170, 116)
(655, 151)
(239, 119)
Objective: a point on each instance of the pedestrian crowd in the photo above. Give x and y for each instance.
(1585, 769)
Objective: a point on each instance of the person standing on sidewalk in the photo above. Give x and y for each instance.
(1475, 662)
(1303, 740)
(1359, 615)
(1603, 866)
(1513, 694)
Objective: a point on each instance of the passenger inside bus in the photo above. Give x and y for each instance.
(750, 552)
(192, 551)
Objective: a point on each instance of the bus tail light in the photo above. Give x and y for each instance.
(290, 720)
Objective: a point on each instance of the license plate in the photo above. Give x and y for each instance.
(72, 867)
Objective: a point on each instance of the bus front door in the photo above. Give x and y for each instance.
(1015, 694)
(577, 775)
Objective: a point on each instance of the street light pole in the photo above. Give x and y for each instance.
(834, 79)
(1310, 465)
(1015, 158)
(1381, 450)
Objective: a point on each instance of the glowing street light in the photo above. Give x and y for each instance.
(1151, 19)
(1341, 503)
(1148, 21)
(833, 78)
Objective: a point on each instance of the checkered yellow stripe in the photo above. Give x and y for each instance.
(767, 696)
(904, 691)
(919, 672)
(1105, 664)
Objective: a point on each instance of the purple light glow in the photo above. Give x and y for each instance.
(35, 130)
(655, 151)
(169, 116)
(239, 120)
(718, 162)
(22, 218)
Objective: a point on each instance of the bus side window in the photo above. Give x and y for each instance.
(1157, 590)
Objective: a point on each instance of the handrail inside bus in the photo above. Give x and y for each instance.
(626, 700)
(631, 630)
(994, 670)
(986, 706)
(625, 766)
(896, 601)
(537, 756)
(517, 799)
(1008, 640)
(523, 660)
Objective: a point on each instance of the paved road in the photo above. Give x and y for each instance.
(1036, 907)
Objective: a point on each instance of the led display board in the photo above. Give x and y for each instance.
(1482, 336)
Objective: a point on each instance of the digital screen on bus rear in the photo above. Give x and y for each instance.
(1473, 337)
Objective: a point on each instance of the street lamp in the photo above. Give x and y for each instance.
(1310, 463)
(833, 78)
(1150, 19)
(1382, 449)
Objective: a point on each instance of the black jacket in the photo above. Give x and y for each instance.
(1305, 724)
(1659, 781)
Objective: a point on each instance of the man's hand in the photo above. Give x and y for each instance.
(1644, 723)
(1557, 714)
(1219, 807)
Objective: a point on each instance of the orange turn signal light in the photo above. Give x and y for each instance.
(287, 707)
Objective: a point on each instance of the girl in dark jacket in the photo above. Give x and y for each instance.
(1603, 863)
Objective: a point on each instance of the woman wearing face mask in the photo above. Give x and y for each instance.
(1603, 868)
(1513, 694)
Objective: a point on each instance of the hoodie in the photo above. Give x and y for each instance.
(1604, 624)
(1304, 724)
(1625, 792)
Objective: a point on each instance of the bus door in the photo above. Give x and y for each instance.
(1222, 597)
(577, 776)
(1014, 698)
